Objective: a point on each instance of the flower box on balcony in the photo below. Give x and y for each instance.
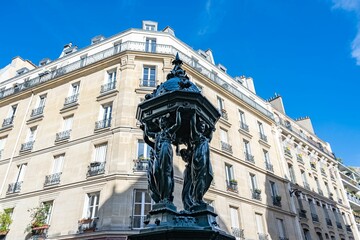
(258, 191)
(3, 233)
(278, 198)
(233, 182)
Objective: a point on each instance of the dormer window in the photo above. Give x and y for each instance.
(222, 68)
(150, 25)
(44, 61)
(97, 39)
(22, 70)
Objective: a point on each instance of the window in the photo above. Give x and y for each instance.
(273, 189)
(49, 207)
(142, 205)
(58, 163)
(259, 224)
(247, 151)
(21, 172)
(100, 152)
(83, 60)
(268, 164)
(243, 124)
(150, 45)
(327, 188)
(229, 172)
(97, 166)
(117, 47)
(66, 128)
(104, 116)
(150, 27)
(223, 135)
(2, 146)
(111, 76)
(281, 229)
(304, 179)
(73, 93)
(307, 234)
(10, 117)
(253, 182)
(41, 101)
(143, 152)
(291, 172)
(261, 131)
(235, 225)
(31, 134)
(314, 215)
(149, 77)
(221, 107)
(92, 205)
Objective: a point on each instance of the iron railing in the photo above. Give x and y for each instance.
(302, 213)
(231, 186)
(315, 217)
(276, 200)
(28, 146)
(63, 135)
(37, 111)
(87, 224)
(226, 147)
(148, 83)
(269, 167)
(244, 126)
(52, 179)
(103, 124)
(238, 233)
(249, 157)
(8, 121)
(263, 137)
(287, 152)
(256, 194)
(108, 87)
(141, 164)
(96, 168)
(14, 187)
(71, 99)
(140, 47)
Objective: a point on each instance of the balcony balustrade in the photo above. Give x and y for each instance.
(28, 146)
(8, 121)
(226, 147)
(224, 114)
(353, 198)
(14, 187)
(249, 157)
(322, 170)
(63, 135)
(96, 168)
(315, 217)
(106, 123)
(72, 99)
(232, 185)
(287, 152)
(244, 126)
(302, 213)
(141, 164)
(269, 167)
(299, 158)
(328, 222)
(256, 194)
(238, 233)
(108, 87)
(87, 225)
(52, 179)
(37, 111)
(263, 137)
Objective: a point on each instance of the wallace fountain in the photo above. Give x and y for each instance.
(177, 116)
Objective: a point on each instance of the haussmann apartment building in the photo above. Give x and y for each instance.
(70, 146)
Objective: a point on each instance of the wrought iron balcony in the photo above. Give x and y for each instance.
(8, 121)
(14, 187)
(269, 167)
(226, 147)
(353, 198)
(232, 185)
(28, 146)
(148, 83)
(88, 224)
(328, 221)
(263, 236)
(263, 137)
(96, 168)
(302, 213)
(348, 228)
(306, 185)
(244, 126)
(37, 111)
(71, 99)
(103, 124)
(224, 114)
(287, 152)
(108, 87)
(276, 200)
(249, 157)
(323, 172)
(338, 225)
(238, 233)
(315, 217)
(52, 179)
(256, 194)
(141, 164)
(63, 135)
(299, 158)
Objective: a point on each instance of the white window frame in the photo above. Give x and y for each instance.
(150, 44)
(31, 134)
(58, 163)
(253, 181)
(148, 78)
(146, 150)
(143, 204)
(20, 173)
(224, 135)
(100, 152)
(74, 89)
(91, 212)
(110, 76)
(105, 111)
(229, 172)
(247, 148)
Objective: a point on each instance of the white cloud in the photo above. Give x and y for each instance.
(211, 16)
(352, 6)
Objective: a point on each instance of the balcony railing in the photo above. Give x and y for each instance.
(141, 164)
(348, 228)
(63, 135)
(269, 167)
(14, 187)
(338, 225)
(302, 213)
(8, 121)
(148, 83)
(249, 157)
(287, 152)
(96, 168)
(315, 217)
(328, 222)
(323, 172)
(263, 137)
(28, 146)
(108, 87)
(226, 147)
(238, 233)
(106, 123)
(276, 200)
(37, 111)
(299, 158)
(87, 224)
(71, 99)
(256, 194)
(52, 179)
(263, 236)
(353, 198)
(232, 186)
(244, 126)
(140, 47)
(224, 114)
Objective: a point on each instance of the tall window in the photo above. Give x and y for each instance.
(21, 173)
(111, 76)
(313, 210)
(150, 45)
(326, 213)
(259, 224)
(104, 116)
(253, 182)
(291, 172)
(58, 163)
(268, 164)
(223, 136)
(243, 124)
(92, 205)
(247, 151)
(235, 225)
(229, 172)
(281, 229)
(31, 134)
(100, 153)
(317, 184)
(304, 179)
(117, 47)
(273, 188)
(41, 101)
(149, 76)
(2, 146)
(327, 188)
(12, 111)
(261, 131)
(143, 152)
(67, 123)
(220, 103)
(49, 206)
(74, 89)
(142, 205)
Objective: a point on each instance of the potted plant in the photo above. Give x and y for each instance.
(38, 219)
(233, 182)
(257, 191)
(5, 221)
(278, 198)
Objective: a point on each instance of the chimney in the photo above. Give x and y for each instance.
(277, 103)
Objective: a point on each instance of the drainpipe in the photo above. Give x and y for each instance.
(16, 143)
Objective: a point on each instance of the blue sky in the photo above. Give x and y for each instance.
(308, 51)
